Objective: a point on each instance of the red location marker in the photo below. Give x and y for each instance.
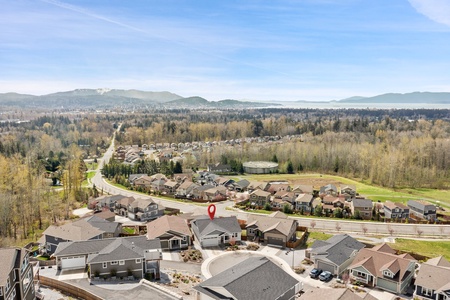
(211, 211)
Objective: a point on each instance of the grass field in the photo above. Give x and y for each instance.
(369, 191)
(426, 248)
(316, 235)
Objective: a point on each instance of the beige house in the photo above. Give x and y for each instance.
(259, 198)
(275, 229)
(172, 231)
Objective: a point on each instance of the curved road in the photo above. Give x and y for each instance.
(393, 229)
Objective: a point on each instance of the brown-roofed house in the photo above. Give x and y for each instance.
(381, 268)
(275, 229)
(172, 231)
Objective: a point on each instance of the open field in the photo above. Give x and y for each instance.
(369, 191)
(426, 248)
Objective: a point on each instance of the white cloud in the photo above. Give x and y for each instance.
(436, 10)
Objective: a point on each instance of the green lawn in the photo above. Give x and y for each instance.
(426, 248)
(316, 235)
(128, 230)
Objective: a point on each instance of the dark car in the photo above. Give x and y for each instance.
(325, 276)
(315, 273)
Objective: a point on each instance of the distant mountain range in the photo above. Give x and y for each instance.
(112, 98)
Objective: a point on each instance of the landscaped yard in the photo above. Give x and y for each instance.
(426, 248)
(317, 235)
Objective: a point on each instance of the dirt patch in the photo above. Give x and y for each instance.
(315, 182)
(182, 284)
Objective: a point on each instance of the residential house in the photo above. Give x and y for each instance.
(170, 186)
(363, 206)
(182, 177)
(348, 191)
(106, 215)
(145, 210)
(245, 281)
(275, 229)
(143, 182)
(158, 184)
(257, 185)
(215, 193)
(335, 254)
(303, 202)
(172, 231)
(121, 257)
(433, 279)
(422, 209)
(335, 294)
(198, 192)
(16, 274)
(110, 229)
(185, 189)
(223, 181)
(329, 189)
(276, 187)
(395, 210)
(303, 189)
(121, 208)
(210, 233)
(240, 185)
(381, 267)
(133, 177)
(105, 202)
(280, 204)
(80, 230)
(259, 198)
(219, 168)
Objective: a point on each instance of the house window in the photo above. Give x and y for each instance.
(184, 238)
(251, 231)
(427, 292)
(27, 280)
(115, 262)
(138, 260)
(8, 285)
(105, 265)
(121, 262)
(360, 274)
(387, 273)
(1, 291)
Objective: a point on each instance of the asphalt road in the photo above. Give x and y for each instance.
(329, 225)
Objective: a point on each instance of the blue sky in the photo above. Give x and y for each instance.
(234, 49)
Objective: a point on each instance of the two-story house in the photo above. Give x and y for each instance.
(395, 210)
(381, 267)
(16, 274)
(422, 209)
(433, 280)
(363, 206)
(259, 198)
(303, 203)
(145, 210)
(219, 168)
(185, 189)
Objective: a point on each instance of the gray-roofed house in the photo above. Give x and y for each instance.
(275, 229)
(329, 189)
(121, 257)
(433, 279)
(245, 280)
(259, 198)
(110, 229)
(381, 267)
(219, 168)
(198, 192)
(335, 254)
(185, 189)
(16, 274)
(145, 210)
(395, 210)
(80, 230)
(422, 209)
(173, 232)
(217, 231)
(240, 185)
(364, 206)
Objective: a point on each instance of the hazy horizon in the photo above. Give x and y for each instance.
(317, 50)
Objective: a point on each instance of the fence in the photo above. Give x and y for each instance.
(68, 289)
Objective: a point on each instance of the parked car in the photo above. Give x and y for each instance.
(315, 273)
(325, 276)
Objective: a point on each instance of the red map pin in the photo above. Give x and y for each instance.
(211, 211)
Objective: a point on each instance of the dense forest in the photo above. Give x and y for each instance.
(392, 148)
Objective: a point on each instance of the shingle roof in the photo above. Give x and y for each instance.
(260, 193)
(334, 294)
(337, 249)
(392, 205)
(109, 249)
(362, 202)
(102, 224)
(304, 198)
(376, 262)
(244, 281)
(226, 224)
(271, 222)
(142, 203)
(7, 262)
(167, 223)
(79, 230)
(434, 274)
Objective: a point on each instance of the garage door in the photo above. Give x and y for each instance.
(325, 267)
(74, 262)
(275, 241)
(210, 242)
